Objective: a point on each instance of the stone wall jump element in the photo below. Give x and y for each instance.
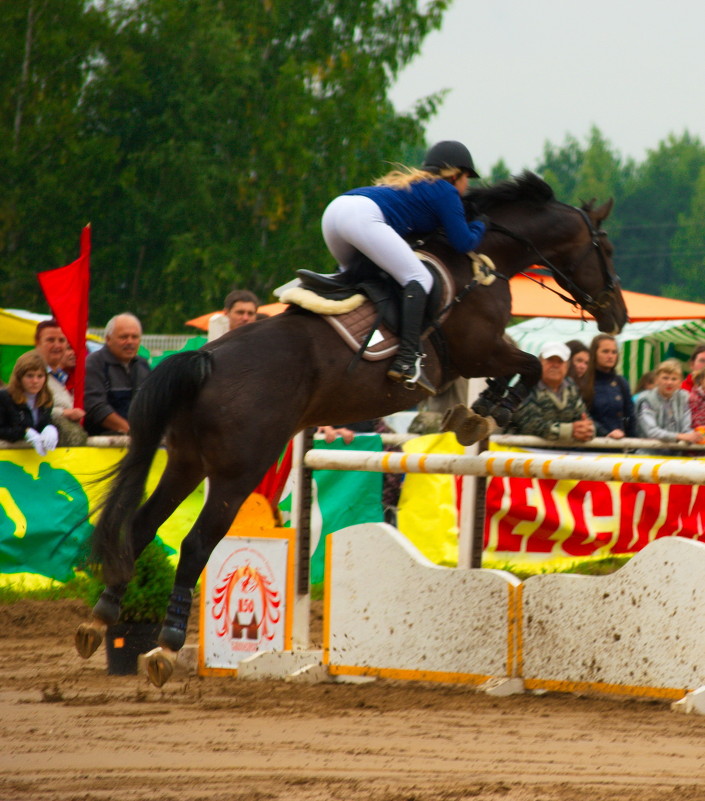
(391, 612)
(639, 631)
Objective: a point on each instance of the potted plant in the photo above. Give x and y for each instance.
(141, 611)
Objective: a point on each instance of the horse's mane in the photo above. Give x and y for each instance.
(527, 187)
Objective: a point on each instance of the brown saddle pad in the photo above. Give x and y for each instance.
(354, 327)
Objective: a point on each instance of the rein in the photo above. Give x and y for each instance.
(581, 298)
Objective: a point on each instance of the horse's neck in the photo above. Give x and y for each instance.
(532, 239)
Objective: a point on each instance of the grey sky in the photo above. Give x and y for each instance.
(522, 72)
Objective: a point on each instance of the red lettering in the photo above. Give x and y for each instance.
(540, 541)
(519, 511)
(582, 541)
(684, 512)
(640, 506)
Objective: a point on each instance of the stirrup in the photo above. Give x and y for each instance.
(413, 377)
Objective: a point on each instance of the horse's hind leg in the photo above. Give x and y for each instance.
(474, 424)
(225, 496)
(176, 483)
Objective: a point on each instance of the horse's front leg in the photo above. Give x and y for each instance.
(496, 404)
(503, 411)
(490, 396)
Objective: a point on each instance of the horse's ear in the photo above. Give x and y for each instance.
(601, 213)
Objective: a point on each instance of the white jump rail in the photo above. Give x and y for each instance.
(632, 468)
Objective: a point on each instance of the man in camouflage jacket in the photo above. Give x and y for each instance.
(554, 409)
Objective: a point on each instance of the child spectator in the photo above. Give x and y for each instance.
(664, 412)
(25, 406)
(647, 381)
(697, 398)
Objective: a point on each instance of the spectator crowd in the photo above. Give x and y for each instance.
(37, 405)
(580, 395)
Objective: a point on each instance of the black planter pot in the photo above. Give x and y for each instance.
(124, 642)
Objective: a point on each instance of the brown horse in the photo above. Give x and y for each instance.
(228, 410)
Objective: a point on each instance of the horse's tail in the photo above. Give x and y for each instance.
(172, 386)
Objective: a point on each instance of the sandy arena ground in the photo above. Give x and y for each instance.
(70, 732)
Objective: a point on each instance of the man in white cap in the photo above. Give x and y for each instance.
(554, 408)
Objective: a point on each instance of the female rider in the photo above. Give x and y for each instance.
(406, 203)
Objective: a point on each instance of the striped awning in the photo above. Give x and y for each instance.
(642, 345)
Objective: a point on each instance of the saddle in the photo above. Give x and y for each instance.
(362, 305)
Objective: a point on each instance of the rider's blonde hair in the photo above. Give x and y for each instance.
(402, 177)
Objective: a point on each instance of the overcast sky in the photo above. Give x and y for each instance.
(523, 72)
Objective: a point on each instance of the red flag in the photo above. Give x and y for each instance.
(66, 291)
(275, 478)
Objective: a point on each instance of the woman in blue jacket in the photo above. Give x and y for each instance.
(406, 203)
(607, 394)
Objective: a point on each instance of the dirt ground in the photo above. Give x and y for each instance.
(70, 732)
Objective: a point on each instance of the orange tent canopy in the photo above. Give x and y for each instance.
(530, 299)
(269, 308)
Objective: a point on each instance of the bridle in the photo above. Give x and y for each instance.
(580, 297)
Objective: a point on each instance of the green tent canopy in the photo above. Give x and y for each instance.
(642, 345)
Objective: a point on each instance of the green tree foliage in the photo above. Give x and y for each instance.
(46, 163)
(660, 191)
(650, 199)
(688, 249)
(499, 172)
(205, 138)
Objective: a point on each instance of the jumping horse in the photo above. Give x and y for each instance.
(227, 410)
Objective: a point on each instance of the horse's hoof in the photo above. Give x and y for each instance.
(454, 417)
(474, 429)
(87, 639)
(160, 665)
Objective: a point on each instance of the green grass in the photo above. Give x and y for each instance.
(78, 587)
(81, 586)
(602, 566)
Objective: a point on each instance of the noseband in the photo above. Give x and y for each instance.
(580, 297)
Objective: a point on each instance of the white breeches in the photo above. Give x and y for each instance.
(354, 223)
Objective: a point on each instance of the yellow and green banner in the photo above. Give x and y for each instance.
(44, 507)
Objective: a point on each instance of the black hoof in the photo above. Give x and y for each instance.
(482, 406)
(502, 416)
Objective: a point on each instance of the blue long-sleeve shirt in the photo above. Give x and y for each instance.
(612, 406)
(423, 207)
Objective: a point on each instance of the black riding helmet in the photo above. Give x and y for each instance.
(449, 154)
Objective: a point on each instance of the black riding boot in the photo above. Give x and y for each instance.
(406, 367)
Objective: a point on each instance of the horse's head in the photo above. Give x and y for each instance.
(589, 273)
(529, 226)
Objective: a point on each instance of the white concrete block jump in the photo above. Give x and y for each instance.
(391, 612)
(639, 631)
